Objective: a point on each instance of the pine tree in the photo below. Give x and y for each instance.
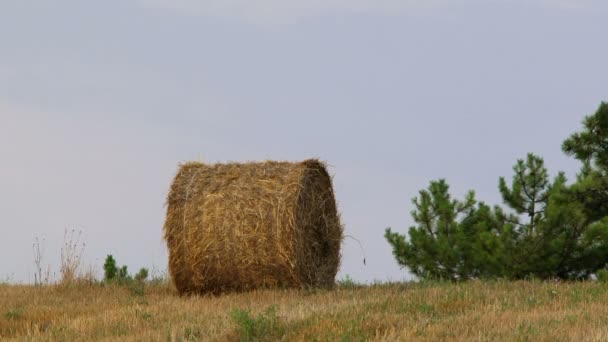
(110, 269)
(527, 197)
(529, 193)
(440, 245)
(590, 192)
(590, 146)
(550, 229)
(551, 237)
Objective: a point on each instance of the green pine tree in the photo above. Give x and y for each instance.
(441, 243)
(529, 193)
(528, 198)
(590, 192)
(550, 230)
(550, 237)
(590, 146)
(110, 269)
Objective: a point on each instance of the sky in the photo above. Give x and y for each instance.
(101, 100)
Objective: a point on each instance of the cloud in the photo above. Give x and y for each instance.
(269, 12)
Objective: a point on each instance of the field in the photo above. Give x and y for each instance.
(473, 311)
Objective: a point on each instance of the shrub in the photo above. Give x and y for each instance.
(121, 275)
(142, 275)
(14, 314)
(109, 268)
(263, 327)
(71, 256)
(602, 276)
(347, 282)
(544, 233)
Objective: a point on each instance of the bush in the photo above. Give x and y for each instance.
(442, 243)
(602, 276)
(544, 233)
(347, 282)
(121, 275)
(263, 327)
(142, 275)
(71, 256)
(109, 268)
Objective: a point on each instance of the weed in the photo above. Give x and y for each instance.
(123, 274)
(426, 309)
(602, 276)
(527, 330)
(192, 334)
(113, 274)
(60, 332)
(146, 316)
(137, 288)
(109, 268)
(354, 333)
(142, 275)
(40, 277)
(158, 277)
(14, 314)
(532, 302)
(260, 328)
(595, 292)
(89, 276)
(347, 283)
(71, 256)
(311, 291)
(142, 301)
(5, 281)
(120, 329)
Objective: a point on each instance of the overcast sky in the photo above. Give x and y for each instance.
(101, 100)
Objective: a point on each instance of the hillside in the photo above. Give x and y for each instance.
(525, 310)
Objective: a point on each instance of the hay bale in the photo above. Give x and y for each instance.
(234, 227)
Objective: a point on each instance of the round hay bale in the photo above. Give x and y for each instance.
(240, 226)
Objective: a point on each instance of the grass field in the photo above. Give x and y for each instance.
(474, 311)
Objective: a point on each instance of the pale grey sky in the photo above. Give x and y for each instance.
(100, 101)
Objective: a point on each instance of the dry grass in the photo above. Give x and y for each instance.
(71, 256)
(240, 226)
(475, 311)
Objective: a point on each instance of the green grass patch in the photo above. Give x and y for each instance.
(264, 326)
(14, 314)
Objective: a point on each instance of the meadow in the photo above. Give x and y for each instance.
(425, 311)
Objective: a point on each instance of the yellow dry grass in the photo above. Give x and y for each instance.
(475, 311)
